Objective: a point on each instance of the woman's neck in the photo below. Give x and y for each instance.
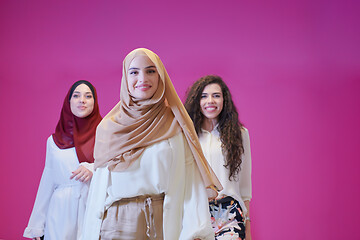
(209, 124)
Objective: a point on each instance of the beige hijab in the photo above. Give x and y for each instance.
(134, 124)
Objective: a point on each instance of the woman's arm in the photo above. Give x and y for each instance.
(245, 173)
(95, 205)
(196, 216)
(186, 210)
(247, 221)
(245, 181)
(46, 188)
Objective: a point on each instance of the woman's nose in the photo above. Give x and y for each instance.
(141, 77)
(82, 99)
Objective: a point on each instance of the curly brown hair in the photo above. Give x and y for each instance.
(229, 125)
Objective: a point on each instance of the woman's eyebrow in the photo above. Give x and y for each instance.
(150, 66)
(79, 92)
(134, 68)
(144, 67)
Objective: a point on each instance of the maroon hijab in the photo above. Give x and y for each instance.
(79, 132)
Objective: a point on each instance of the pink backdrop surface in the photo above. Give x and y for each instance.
(293, 68)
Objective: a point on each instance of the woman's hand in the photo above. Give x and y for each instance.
(82, 174)
(211, 193)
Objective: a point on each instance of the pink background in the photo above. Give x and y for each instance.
(293, 68)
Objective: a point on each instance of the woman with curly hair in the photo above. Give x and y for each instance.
(225, 143)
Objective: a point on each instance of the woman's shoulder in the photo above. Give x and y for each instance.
(245, 135)
(50, 143)
(50, 140)
(244, 129)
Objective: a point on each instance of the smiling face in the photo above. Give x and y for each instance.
(211, 101)
(82, 101)
(142, 78)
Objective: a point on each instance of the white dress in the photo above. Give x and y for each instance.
(59, 207)
(240, 189)
(165, 167)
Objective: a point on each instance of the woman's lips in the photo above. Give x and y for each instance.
(143, 87)
(210, 108)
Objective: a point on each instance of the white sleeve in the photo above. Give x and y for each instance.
(196, 217)
(89, 166)
(245, 172)
(95, 204)
(174, 197)
(186, 212)
(46, 188)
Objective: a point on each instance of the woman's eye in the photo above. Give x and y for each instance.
(217, 95)
(203, 96)
(89, 96)
(75, 96)
(151, 71)
(133, 72)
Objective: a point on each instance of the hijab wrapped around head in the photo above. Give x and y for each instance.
(72, 131)
(134, 124)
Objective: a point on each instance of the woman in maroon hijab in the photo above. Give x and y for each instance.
(60, 202)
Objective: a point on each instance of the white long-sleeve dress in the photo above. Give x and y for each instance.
(59, 207)
(240, 189)
(165, 167)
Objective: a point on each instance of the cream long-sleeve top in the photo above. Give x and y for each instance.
(164, 167)
(59, 207)
(239, 189)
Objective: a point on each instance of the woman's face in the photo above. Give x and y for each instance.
(143, 78)
(82, 101)
(211, 101)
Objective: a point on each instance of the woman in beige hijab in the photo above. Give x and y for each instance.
(151, 180)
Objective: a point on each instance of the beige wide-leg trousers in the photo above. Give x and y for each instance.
(134, 218)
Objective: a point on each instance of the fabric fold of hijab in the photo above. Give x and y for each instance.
(134, 124)
(72, 131)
